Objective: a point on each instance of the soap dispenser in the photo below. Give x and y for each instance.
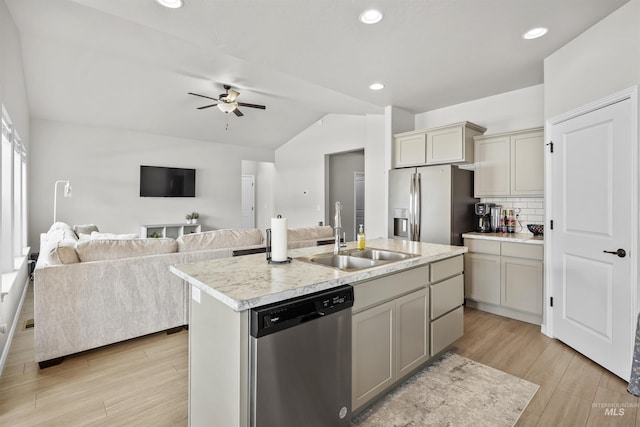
(361, 238)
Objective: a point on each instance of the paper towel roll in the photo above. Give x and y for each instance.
(278, 239)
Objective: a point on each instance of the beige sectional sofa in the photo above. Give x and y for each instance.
(90, 293)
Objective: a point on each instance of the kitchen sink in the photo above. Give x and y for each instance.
(380, 254)
(341, 262)
(356, 259)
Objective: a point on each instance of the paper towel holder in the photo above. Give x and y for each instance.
(268, 251)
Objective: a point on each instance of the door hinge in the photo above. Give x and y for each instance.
(551, 301)
(550, 144)
(551, 225)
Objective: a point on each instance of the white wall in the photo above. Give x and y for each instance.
(103, 166)
(13, 96)
(603, 60)
(300, 166)
(509, 111)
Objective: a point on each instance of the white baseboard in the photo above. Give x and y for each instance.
(14, 324)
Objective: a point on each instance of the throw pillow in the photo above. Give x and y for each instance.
(85, 229)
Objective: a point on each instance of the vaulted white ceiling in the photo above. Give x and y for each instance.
(130, 63)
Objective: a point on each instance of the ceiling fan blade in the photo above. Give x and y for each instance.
(233, 95)
(206, 106)
(244, 104)
(238, 113)
(202, 96)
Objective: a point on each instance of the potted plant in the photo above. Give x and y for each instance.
(194, 217)
(188, 217)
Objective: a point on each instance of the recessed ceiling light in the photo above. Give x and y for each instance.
(534, 33)
(371, 16)
(171, 4)
(376, 86)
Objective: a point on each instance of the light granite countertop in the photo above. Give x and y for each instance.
(248, 281)
(506, 237)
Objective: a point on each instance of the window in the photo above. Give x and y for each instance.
(14, 196)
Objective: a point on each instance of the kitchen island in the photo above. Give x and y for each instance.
(427, 286)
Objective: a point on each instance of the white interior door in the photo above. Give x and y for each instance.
(248, 202)
(593, 210)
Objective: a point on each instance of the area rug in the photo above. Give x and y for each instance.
(453, 391)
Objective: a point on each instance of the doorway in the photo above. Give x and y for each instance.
(248, 202)
(591, 262)
(342, 170)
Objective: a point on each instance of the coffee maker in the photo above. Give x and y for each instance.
(483, 212)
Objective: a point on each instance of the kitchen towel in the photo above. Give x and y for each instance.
(279, 239)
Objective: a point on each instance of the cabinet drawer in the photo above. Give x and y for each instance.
(483, 246)
(446, 268)
(446, 330)
(523, 250)
(371, 292)
(447, 295)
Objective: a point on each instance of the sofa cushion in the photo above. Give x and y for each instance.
(99, 250)
(309, 233)
(63, 251)
(219, 239)
(59, 244)
(110, 236)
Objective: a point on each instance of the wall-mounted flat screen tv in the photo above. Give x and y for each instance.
(158, 181)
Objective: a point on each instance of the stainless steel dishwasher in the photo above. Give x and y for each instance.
(300, 361)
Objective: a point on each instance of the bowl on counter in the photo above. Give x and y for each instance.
(536, 229)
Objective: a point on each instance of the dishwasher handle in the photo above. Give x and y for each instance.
(311, 316)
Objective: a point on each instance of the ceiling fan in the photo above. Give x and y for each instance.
(227, 102)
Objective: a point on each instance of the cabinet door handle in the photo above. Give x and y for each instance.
(620, 252)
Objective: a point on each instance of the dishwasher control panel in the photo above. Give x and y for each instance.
(282, 315)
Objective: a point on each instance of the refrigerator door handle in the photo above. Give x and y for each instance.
(418, 205)
(411, 208)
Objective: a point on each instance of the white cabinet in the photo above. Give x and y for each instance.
(168, 230)
(402, 321)
(412, 331)
(445, 144)
(373, 359)
(510, 164)
(410, 150)
(505, 278)
(482, 277)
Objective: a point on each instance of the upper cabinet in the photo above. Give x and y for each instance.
(445, 144)
(510, 164)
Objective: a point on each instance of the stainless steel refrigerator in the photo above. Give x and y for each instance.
(431, 204)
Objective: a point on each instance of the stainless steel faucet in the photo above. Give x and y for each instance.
(337, 226)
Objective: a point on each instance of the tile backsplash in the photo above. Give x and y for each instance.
(531, 208)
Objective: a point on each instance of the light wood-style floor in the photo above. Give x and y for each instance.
(143, 382)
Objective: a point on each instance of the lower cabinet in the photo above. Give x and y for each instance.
(505, 278)
(400, 322)
(389, 340)
(412, 330)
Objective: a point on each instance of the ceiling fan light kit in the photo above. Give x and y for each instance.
(371, 16)
(171, 4)
(226, 102)
(227, 107)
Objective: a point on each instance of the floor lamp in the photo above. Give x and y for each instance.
(67, 193)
